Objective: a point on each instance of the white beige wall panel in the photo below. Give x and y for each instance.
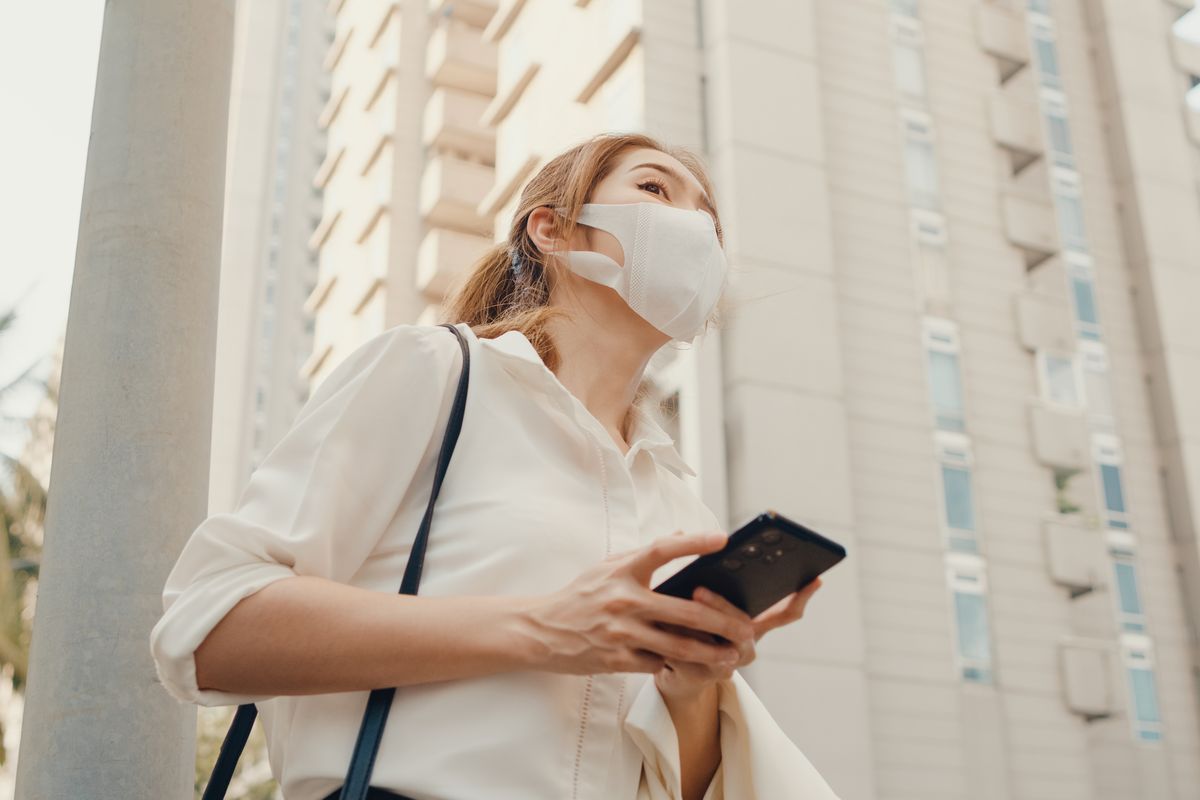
(771, 97)
(902, 708)
(788, 229)
(672, 63)
(792, 427)
(759, 297)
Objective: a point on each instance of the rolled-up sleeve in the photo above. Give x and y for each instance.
(321, 499)
(758, 760)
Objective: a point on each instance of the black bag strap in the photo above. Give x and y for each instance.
(379, 703)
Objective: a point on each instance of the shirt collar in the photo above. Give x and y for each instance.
(522, 359)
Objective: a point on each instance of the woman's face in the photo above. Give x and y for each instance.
(641, 175)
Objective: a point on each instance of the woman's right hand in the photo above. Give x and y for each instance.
(606, 619)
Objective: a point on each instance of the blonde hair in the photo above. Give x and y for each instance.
(493, 300)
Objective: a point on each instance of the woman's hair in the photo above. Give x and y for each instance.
(493, 299)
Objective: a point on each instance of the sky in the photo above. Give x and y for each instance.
(48, 55)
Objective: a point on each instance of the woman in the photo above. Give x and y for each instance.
(536, 662)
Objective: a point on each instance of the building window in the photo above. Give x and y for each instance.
(1097, 390)
(1106, 450)
(958, 504)
(920, 164)
(945, 379)
(1045, 51)
(933, 264)
(1066, 190)
(1143, 694)
(1125, 582)
(1059, 378)
(907, 60)
(1058, 130)
(1083, 296)
(965, 577)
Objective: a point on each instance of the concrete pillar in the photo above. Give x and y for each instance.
(131, 448)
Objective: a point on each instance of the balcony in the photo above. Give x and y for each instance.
(1186, 55)
(445, 256)
(457, 57)
(1074, 554)
(1016, 127)
(1029, 226)
(1086, 669)
(477, 13)
(1044, 322)
(332, 107)
(450, 191)
(1060, 437)
(452, 123)
(1001, 34)
(506, 14)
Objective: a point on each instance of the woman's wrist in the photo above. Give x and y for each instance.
(518, 633)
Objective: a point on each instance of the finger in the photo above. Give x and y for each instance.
(637, 660)
(680, 648)
(698, 616)
(668, 548)
(720, 603)
(789, 609)
(804, 592)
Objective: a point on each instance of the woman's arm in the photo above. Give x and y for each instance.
(310, 635)
(698, 728)
(306, 634)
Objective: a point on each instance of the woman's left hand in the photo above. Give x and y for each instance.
(686, 679)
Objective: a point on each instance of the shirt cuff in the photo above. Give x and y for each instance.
(758, 760)
(188, 620)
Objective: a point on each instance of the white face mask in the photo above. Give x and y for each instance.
(674, 271)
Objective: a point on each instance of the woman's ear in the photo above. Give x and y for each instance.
(543, 228)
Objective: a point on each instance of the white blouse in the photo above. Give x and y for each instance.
(537, 491)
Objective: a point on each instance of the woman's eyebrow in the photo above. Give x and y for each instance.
(679, 179)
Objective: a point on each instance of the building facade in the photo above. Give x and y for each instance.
(965, 238)
(264, 333)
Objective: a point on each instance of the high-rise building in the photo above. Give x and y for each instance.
(264, 333)
(965, 237)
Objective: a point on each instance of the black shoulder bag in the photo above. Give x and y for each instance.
(362, 762)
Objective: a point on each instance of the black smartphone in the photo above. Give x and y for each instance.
(763, 561)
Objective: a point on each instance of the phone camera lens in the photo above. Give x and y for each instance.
(778, 552)
(769, 557)
(731, 563)
(771, 537)
(751, 550)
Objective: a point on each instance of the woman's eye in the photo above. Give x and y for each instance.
(659, 186)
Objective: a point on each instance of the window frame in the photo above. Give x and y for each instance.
(1122, 550)
(1137, 653)
(1079, 266)
(1106, 452)
(953, 450)
(1042, 358)
(941, 335)
(917, 129)
(966, 575)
